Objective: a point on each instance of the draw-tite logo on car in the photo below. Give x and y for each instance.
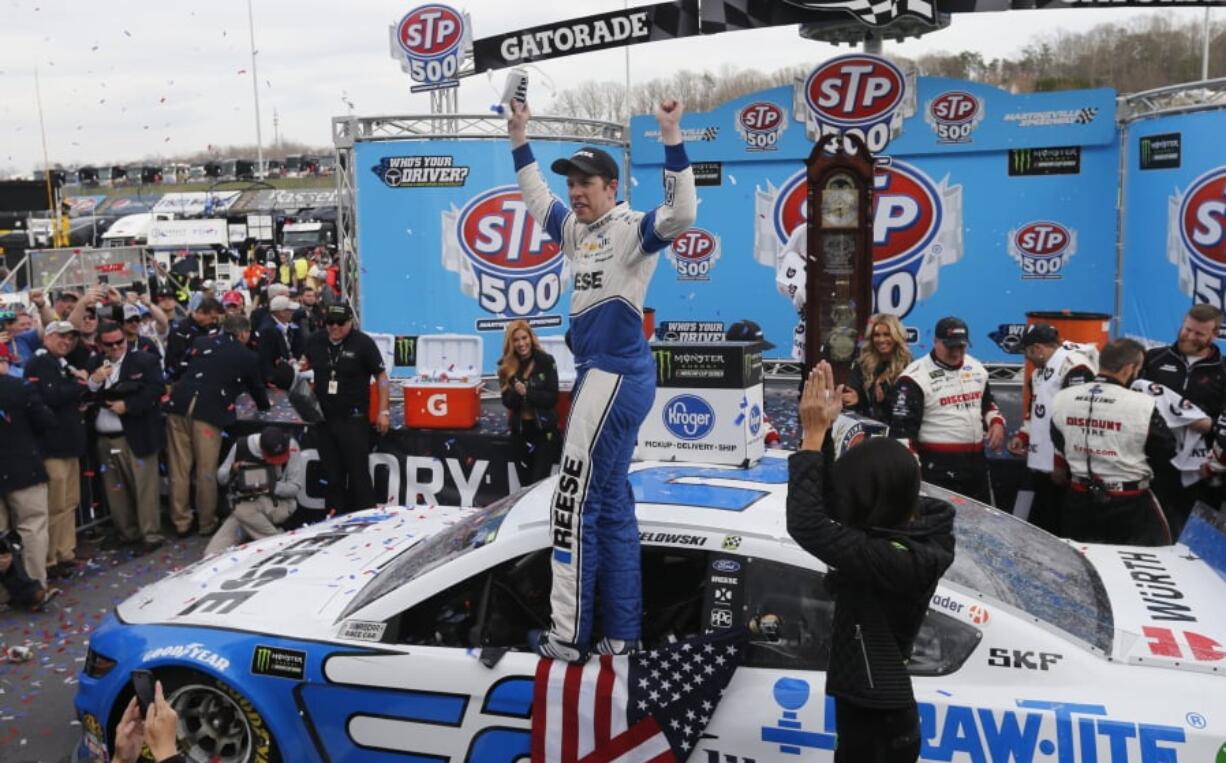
(689, 417)
(420, 172)
(505, 259)
(917, 230)
(954, 115)
(761, 124)
(694, 253)
(856, 94)
(1043, 248)
(1196, 237)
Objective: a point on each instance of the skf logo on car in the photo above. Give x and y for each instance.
(1042, 248)
(504, 258)
(954, 115)
(917, 229)
(694, 253)
(431, 41)
(855, 94)
(689, 417)
(761, 124)
(436, 405)
(1196, 237)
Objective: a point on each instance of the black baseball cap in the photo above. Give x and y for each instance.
(747, 331)
(274, 444)
(952, 331)
(1040, 333)
(338, 314)
(588, 161)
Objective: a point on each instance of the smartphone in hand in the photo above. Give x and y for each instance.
(142, 683)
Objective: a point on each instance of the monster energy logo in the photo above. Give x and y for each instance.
(1062, 160)
(664, 365)
(404, 352)
(282, 663)
(1161, 152)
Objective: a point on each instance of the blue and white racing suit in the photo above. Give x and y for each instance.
(595, 534)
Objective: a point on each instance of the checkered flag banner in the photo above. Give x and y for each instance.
(1086, 115)
(648, 706)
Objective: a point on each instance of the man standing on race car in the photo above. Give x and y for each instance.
(1057, 365)
(611, 252)
(1108, 437)
(942, 405)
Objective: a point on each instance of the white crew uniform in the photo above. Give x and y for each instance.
(595, 535)
(1108, 436)
(942, 414)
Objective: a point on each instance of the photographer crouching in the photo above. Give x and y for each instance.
(264, 473)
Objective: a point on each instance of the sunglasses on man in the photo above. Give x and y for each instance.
(112, 345)
(336, 321)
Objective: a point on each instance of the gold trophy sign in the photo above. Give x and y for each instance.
(839, 252)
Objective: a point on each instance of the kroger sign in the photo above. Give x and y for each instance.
(689, 417)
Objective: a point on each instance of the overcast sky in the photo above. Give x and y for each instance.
(125, 79)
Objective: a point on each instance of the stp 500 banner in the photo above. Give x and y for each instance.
(447, 244)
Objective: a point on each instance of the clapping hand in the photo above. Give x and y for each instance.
(820, 405)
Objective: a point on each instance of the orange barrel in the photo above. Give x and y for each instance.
(1085, 328)
(649, 323)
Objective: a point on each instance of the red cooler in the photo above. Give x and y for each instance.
(447, 391)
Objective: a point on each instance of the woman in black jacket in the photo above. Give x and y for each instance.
(528, 377)
(882, 359)
(886, 548)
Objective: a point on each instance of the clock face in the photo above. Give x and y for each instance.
(840, 207)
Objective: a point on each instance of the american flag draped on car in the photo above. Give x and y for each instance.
(649, 706)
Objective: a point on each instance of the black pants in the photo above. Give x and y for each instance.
(535, 451)
(965, 473)
(1048, 500)
(1125, 520)
(870, 735)
(344, 451)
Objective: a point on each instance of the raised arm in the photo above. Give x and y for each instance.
(680, 206)
(544, 207)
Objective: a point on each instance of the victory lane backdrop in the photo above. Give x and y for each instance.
(1175, 213)
(992, 205)
(447, 245)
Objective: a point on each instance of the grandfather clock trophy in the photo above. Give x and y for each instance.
(839, 255)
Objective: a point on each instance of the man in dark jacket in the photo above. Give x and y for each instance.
(128, 386)
(23, 478)
(280, 342)
(888, 549)
(219, 369)
(202, 322)
(62, 388)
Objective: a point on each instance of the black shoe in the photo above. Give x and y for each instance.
(62, 570)
(146, 547)
(113, 542)
(181, 534)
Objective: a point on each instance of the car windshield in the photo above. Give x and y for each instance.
(301, 238)
(1017, 564)
(474, 529)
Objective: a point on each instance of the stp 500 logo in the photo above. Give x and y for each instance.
(505, 259)
(954, 115)
(761, 124)
(1196, 237)
(430, 40)
(689, 417)
(694, 253)
(856, 94)
(917, 228)
(1042, 248)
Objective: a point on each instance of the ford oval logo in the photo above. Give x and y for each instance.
(689, 417)
(726, 565)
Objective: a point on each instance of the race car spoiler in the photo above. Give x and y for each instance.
(1205, 535)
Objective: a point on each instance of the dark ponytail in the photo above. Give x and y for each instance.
(877, 484)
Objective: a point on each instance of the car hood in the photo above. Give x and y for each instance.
(295, 584)
(1166, 605)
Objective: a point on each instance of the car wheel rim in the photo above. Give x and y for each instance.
(212, 727)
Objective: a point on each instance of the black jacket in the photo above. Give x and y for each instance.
(143, 424)
(277, 349)
(867, 404)
(1203, 382)
(218, 370)
(63, 394)
(182, 335)
(21, 462)
(542, 395)
(882, 581)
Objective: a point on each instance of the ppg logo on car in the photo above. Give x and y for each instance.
(506, 259)
(1197, 244)
(856, 95)
(954, 115)
(1042, 248)
(689, 417)
(694, 253)
(760, 124)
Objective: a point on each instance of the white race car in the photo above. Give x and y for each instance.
(399, 634)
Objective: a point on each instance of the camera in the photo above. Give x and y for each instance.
(251, 480)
